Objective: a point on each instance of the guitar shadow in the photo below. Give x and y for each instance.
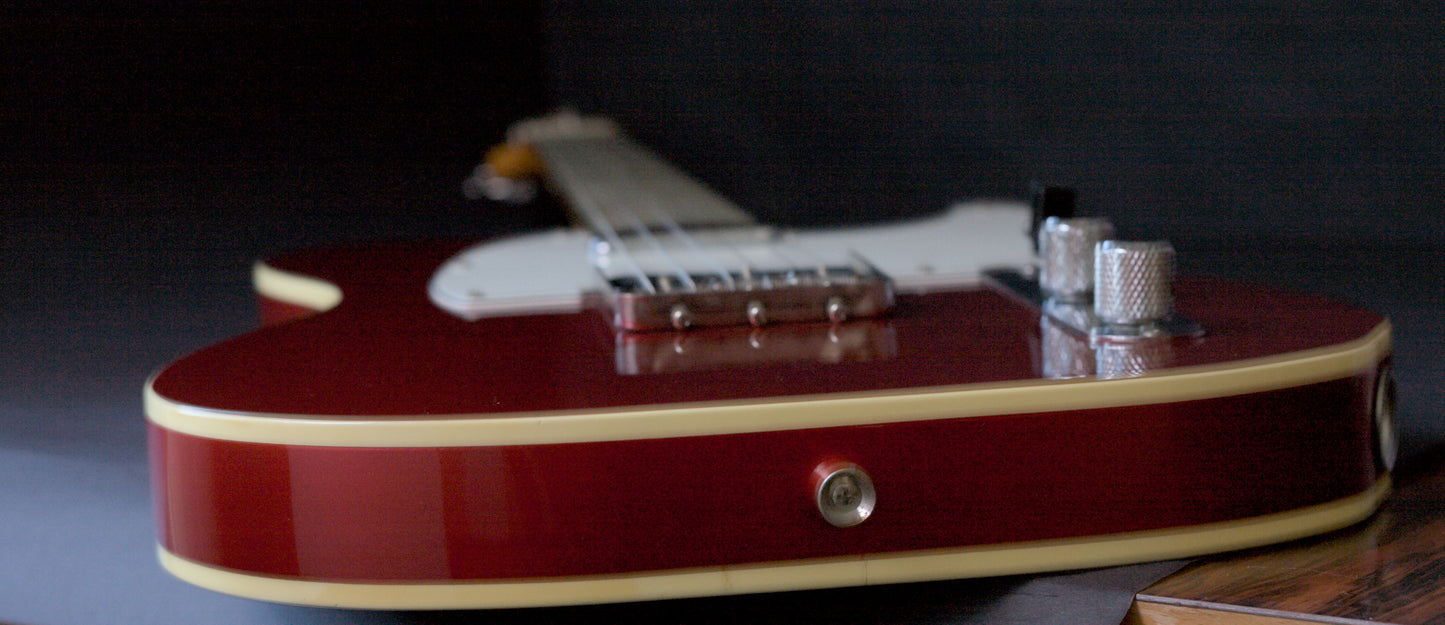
(1092, 596)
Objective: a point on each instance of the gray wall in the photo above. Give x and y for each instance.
(1263, 120)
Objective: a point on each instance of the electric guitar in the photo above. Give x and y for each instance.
(670, 400)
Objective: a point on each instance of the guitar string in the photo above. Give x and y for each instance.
(789, 265)
(640, 231)
(612, 161)
(652, 206)
(556, 153)
(614, 156)
(624, 162)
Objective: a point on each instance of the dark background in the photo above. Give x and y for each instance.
(1263, 120)
(150, 151)
(157, 82)
(1255, 119)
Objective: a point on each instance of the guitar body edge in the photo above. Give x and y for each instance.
(284, 296)
(890, 568)
(620, 520)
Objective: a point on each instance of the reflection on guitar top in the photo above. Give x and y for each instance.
(700, 350)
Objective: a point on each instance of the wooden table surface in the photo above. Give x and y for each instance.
(1389, 569)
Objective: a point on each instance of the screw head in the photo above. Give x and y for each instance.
(680, 316)
(844, 494)
(757, 313)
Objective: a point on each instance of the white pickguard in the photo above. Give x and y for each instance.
(550, 271)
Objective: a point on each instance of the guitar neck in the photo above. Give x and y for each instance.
(612, 183)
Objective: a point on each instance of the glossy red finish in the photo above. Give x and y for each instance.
(611, 507)
(386, 350)
(276, 312)
(530, 511)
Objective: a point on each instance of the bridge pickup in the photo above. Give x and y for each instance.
(749, 298)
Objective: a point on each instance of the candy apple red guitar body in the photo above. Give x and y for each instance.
(368, 448)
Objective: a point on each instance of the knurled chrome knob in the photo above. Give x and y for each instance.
(1065, 351)
(1132, 282)
(1132, 358)
(1066, 255)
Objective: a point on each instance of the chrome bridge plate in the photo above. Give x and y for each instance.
(832, 293)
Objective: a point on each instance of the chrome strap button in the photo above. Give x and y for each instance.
(1387, 444)
(844, 494)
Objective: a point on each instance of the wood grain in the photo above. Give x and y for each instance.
(1389, 569)
(1149, 613)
